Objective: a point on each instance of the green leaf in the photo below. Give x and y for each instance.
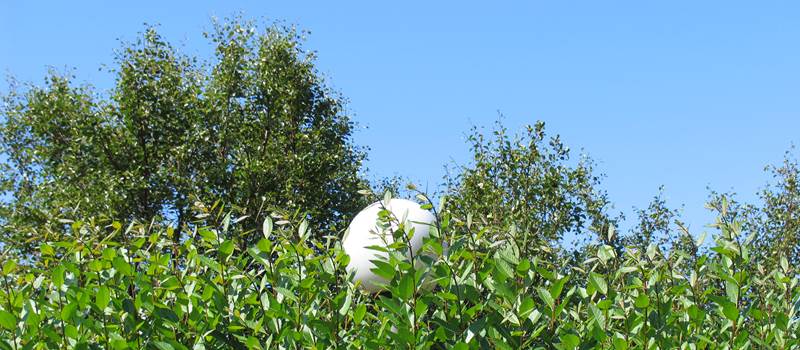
(526, 307)
(69, 311)
(103, 297)
(421, 308)
(359, 313)
(598, 316)
(267, 227)
(382, 269)
(47, 250)
(461, 346)
(9, 266)
(570, 341)
(558, 287)
(523, 266)
(302, 230)
(620, 343)
(58, 276)
(226, 248)
(163, 345)
(605, 253)
(598, 282)
(122, 266)
(346, 305)
(642, 301)
(166, 314)
(731, 311)
(7, 320)
(208, 235)
(546, 297)
(406, 286)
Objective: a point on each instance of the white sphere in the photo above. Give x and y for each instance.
(364, 232)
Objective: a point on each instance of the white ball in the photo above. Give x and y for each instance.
(364, 232)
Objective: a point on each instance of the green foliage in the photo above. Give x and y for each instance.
(776, 222)
(290, 290)
(256, 127)
(528, 181)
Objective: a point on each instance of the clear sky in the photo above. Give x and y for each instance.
(685, 94)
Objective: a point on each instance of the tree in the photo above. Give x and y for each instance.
(256, 127)
(776, 222)
(526, 181)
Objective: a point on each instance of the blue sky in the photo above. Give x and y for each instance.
(683, 94)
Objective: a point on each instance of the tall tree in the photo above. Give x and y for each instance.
(256, 127)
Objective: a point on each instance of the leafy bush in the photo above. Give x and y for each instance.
(473, 290)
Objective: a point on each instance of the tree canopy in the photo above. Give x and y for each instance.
(256, 127)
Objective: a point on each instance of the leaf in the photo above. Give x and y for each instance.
(166, 314)
(122, 266)
(526, 307)
(523, 266)
(558, 287)
(163, 345)
(421, 308)
(700, 239)
(103, 297)
(208, 235)
(642, 301)
(346, 305)
(302, 230)
(620, 343)
(69, 311)
(7, 320)
(605, 253)
(359, 313)
(382, 269)
(598, 282)
(58, 276)
(46, 250)
(406, 286)
(570, 341)
(546, 297)
(731, 311)
(226, 222)
(387, 198)
(226, 248)
(267, 227)
(461, 346)
(9, 266)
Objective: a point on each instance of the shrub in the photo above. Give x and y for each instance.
(290, 290)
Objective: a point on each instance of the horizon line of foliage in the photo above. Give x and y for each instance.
(290, 290)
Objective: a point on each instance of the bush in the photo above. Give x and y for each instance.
(290, 290)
